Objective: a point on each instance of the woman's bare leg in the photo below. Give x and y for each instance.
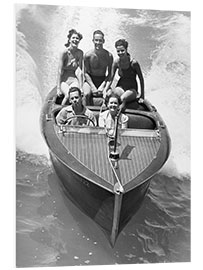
(127, 96)
(118, 91)
(65, 91)
(87, 99)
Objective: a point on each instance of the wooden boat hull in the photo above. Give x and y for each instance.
(98, 203)
(110, 196)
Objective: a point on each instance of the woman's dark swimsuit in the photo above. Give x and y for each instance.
(127, 79)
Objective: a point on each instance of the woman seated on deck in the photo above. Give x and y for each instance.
(107, 118)
(128, 70)
(70, 66)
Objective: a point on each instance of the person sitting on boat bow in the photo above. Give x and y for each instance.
(97, 65)
(107, 118)
(128, 70)
(76, 113)
(70, 69)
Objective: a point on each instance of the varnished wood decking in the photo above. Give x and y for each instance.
(137, 150)
(80, 158)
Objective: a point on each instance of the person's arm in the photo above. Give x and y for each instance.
(91, 116)
(113, 71)
(101, 120)
(94, 120)
(61, 116)
(109, 76)
(141, 79)
(86, 71)
(124, 121)
(60, 66)
(81, 69)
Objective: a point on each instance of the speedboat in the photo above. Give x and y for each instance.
(107, 178)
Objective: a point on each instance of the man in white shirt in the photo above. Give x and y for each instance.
(76, 113)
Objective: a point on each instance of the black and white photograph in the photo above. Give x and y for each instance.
(102, 98)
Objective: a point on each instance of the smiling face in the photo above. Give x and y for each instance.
(98, 41)
(113, 105)
(74, 40)
(121, 51)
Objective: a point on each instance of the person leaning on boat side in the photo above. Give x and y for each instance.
(97, 65)
(128, 70)
(75, 108)
(70, 62)
(107, 118)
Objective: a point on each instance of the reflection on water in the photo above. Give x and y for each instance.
(51, 231)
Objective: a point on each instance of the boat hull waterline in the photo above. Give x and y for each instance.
(108, 191)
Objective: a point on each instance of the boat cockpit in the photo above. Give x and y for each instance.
(140, 114)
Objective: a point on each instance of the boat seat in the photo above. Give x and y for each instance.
(141, 122)
(135, 121)
(97, 101)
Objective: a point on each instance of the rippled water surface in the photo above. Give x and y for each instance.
(50, 230)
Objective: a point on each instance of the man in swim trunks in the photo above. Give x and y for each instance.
(97, 63)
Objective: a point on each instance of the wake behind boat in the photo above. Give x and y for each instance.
(107, 178)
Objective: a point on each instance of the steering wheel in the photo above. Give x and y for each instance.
(79, 116)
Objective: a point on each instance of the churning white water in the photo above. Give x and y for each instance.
(50, 230)
(167, 73)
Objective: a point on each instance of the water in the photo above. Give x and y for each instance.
(50, 230)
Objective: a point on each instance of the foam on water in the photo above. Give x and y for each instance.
(51, 231)
(28, 90)
(28, 98)
(168, 85)
(167, 79)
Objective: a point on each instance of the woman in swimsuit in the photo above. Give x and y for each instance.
(71, 60)
(128, 71)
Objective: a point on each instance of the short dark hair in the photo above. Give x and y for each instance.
(70, 33)
(99, 32)
(74, 89)
(112, 94)
(121, 42)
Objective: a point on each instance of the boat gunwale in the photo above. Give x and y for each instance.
(69, 160)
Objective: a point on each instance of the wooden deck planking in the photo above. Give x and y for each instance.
(136, 153)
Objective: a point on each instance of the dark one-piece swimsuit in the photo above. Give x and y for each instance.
(127, 78)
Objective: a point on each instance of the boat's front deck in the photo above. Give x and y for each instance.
(137, 149)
